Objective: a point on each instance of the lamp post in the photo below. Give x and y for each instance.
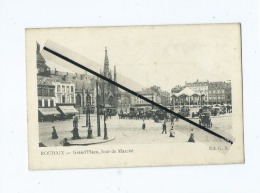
(105, 126)
(90, 135)
(98, 117)
(86, 110)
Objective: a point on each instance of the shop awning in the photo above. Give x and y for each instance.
(48, 111)
(68, 109)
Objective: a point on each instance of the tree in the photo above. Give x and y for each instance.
(156, 89)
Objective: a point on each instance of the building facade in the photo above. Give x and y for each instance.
(202, 93)
(147, 93)
(200, 87)
(64, 92)
(220, 93)
(165, 98)
(46, 95)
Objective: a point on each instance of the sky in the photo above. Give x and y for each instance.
(155, 55)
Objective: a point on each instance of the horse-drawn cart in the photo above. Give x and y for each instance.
(205, 120)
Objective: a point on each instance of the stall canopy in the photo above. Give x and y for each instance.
(187, 92)
(68, 109)
(48, 111)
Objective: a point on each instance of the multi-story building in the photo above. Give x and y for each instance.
(165, 98)
(149, 94)
(65, 92)
(220, 92)
(46, 99)
(84, 88)
(46, 93)
(201, 88)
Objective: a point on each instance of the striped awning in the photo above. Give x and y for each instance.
(68, 109)
(48, 111)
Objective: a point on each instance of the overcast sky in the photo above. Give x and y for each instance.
(162, 55)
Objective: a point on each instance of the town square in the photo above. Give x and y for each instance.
(80, 109)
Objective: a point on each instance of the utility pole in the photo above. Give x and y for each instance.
(98, 117)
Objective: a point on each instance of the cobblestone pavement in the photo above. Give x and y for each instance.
(127, 131)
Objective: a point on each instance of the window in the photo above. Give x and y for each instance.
(63, 89)
(45, 103)
(58, 88)
(68, 89)
(52, 103)
(71, 89)
(40, 102)
(39, 91)
(45, 92)
(51, 92)
(72, 98)
(222, 91)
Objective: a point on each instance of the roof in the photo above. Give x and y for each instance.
(44, 80)
(186, 91)
(146, 91)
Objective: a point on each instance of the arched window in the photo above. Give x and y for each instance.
(78, 100)
(111, 100)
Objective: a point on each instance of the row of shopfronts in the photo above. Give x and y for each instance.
(60, 112)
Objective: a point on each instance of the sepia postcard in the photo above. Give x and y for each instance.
(134, 96)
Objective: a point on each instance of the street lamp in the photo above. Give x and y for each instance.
(98, 117)
(90, 135)
(105, 126)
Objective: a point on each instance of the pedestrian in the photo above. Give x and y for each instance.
(75, 133)
(75, 122)
(54, 133)
(65, 142)
(42, 145)
(191, 139)
(164, 128)
(172, 132)
(143, 126)
(172, 119)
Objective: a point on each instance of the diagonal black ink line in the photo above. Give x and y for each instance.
(136, 94)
